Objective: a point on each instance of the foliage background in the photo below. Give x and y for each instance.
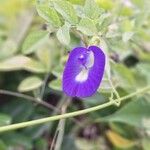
(35, 39)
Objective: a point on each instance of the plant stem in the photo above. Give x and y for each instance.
(72, 114)
(27, 97)
(61, 126)
(44, 86)
(36, 100)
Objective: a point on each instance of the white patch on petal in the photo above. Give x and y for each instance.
(82, 76)
(90, 60)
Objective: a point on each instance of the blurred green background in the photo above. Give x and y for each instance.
(34, 46)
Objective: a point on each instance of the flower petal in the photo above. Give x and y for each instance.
(77, 81)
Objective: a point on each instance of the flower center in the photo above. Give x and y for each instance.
(82, 76)
(87, 61)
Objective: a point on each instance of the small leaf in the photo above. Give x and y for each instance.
(104, 21)
(127, 36)
(8, 48)
(29, 84)
(4, 119)
(119, 141)
(91, 9)
(126, 11)
(87, 26)
(80, 11)
(57, 71)
(56, 85)
(33, 41)
(63, 34)
(103, 18)
(49, 14)
(127, 25)
(66, 9)
(45, 57)
(22, 62)
(107, 5)
(33, 65)
(13, 63)
(113, 31)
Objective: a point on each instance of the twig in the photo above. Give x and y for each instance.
(36, 100)
(27, 97)
(44, 86)
(61, 126)
(72, 114)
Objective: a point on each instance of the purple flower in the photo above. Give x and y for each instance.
(83, 71)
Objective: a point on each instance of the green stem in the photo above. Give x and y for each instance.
(27, 97)
(72, 114)
(61, 126)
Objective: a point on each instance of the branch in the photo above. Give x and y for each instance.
(36, 100)
(72, 114)
(27, 97)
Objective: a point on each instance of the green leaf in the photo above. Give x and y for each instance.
(97, 98)
(49, 14)
(126, 11)
(68, 143)
(78, 2)
(4, 119)
(63, 34)
(104, 21)
(45, 56)
(29, 84)
(35, 66)
(57, 71)
(79, 11)
(87, 26)
(17, 140)
(146, 144)
(127, 25)
(17, 109)
(66, 10)
(33, 41)
(84, 144)
(91, 9)
(2, 145)
(134, 113)
(144, 69)
(9, 48)
(124, 76)
(119, 141)
(13, 63)
(56, 85)
(127, 36)
(107, 5)
(41, 144)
